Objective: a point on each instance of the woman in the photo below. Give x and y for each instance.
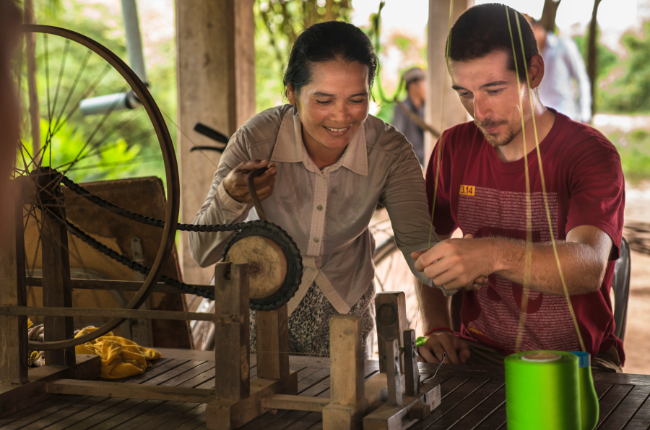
(330, 163)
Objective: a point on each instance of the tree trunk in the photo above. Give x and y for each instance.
(548, 14)
(592, 54)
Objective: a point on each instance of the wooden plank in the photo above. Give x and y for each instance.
(411, 370)
(206, 368)
(626, 408)
(611, 400)
(196, 418)
(88, 367)
(390, 308)
(229, 414)
(13, 329)
(232, 350)
(621, 378)
(495, 420)
(393, 375)
(641, 418)
(45, 414)
(120, 313)
(116, 389)
(295, 403)
(272, 343)
(129, 410)
(489, 404)
(475, 402)
(56, 273)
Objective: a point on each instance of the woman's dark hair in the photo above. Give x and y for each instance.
(328, 41)
(484, 29)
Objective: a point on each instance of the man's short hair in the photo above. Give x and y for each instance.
(483, 29)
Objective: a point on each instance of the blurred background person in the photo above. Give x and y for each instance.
(416, 89)
(9, 124)
(563, 64)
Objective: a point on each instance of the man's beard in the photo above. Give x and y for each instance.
(494, 140)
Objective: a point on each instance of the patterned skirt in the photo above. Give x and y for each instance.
(309, 324)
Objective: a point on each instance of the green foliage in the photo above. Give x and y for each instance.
(277, 25)
(630, 92)
(634, 149)
(126, 145)
(607, 62)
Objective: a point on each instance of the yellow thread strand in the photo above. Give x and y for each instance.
(438, 160)
(529, 222)
(546, 206)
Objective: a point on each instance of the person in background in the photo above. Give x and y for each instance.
(563, 64)
(416, 88)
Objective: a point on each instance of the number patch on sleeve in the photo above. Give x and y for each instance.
(467, 190)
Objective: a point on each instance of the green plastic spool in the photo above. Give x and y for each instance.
(550, 390)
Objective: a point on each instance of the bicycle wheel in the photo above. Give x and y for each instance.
(86, 115)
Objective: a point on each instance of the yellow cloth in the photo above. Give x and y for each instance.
(120, 357)
(29, 323)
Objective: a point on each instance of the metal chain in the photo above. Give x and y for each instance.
(191, 289)
(145, 219)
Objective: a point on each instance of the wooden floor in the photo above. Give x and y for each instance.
(473, 398)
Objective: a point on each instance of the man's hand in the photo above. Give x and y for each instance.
(235, 182)
(456, 349)
(458, 276)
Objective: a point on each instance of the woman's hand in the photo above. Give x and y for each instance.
(456, 349)
(235, 182)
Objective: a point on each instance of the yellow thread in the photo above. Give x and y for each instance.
(548, 211)
(529, 224)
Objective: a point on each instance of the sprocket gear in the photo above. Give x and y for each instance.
(291, 252)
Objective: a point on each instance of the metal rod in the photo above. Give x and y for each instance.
(133, 38)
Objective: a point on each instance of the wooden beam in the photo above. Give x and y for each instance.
(13, 399)
(130, 391)
(222, 414)
(104, 284)
(346, 374)
(411, 371)
(390, 311)
(272, 343)
(56, 270)
(295, 403)
(216, 86)
(393, 375)
(232, 345)
(13, 329)
(388, 417)
(119, 313)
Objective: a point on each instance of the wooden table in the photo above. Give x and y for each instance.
(473, 398)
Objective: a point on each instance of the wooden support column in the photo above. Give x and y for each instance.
(216, 86)
(454, 112)
(272, 343)
(57, 291)
(346, 374)
(232, 345)
(390, 311)
(411, 370)
(13, 329)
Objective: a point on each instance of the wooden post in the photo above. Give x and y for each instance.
(216, 86)
(346, 374)
(13, 329)
(56, 269)
(272, 343)
(232, 344)
(437, 88)
(391, 322)
(411, 371)
(393, 375)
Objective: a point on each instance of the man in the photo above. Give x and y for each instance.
(416, 89)
(479, 170)
(563, 64)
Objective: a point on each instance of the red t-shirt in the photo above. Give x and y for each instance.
(484, 196)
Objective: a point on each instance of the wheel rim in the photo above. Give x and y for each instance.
(166, 147)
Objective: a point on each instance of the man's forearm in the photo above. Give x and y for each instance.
(435, 311)
(582, 267)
